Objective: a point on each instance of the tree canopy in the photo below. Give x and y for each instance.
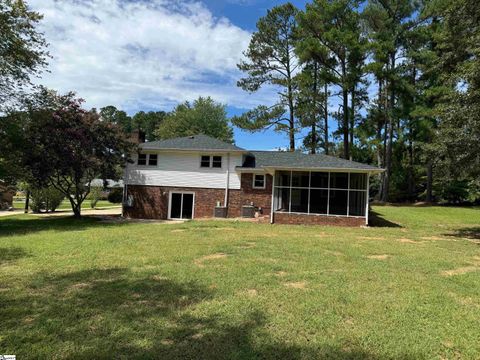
(203, 116)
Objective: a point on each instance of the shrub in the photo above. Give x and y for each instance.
(116, 195)
(47, 199)
(95, 195)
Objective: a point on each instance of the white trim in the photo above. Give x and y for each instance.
(169, 217)
(273, 198)
(367, 192)
(264, 181)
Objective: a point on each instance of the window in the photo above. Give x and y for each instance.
(152, 159)
(258, 181)
(216, 161)
(207, 161)
(142, 159)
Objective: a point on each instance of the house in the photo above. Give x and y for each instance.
(199, 176)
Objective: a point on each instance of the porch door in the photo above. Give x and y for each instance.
(181, 205)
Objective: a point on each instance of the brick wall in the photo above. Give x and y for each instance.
(151, 202)
(306, 219)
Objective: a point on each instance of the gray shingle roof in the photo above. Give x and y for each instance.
(196, 142)
(299, 160)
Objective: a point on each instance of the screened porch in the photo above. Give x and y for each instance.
(321, 193)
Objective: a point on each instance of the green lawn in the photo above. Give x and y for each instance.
(408, 289)
(65, 205)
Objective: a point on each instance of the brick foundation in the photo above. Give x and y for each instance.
(151, 202)
(310, 219)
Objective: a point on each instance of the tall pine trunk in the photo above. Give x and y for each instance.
(313, 148)
(388, 160)
(429, 196)
(352, 118)
(325, 109)
(346, 150)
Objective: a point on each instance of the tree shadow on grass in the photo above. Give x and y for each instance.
(8, 254)
(15, 226)
(115, 313)
(470, 233)
(377, 220)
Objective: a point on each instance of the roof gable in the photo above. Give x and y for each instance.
(195, 142)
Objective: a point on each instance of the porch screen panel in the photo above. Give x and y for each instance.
(318, 201)
(299, 200)
(282, 199)
(357, 203)
(338, 202)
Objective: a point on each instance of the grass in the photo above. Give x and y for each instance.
(65, 205)
(407, 289)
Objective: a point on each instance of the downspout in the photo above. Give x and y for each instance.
(227, 182)
(125, 193)
(273, 197)
(368, 198)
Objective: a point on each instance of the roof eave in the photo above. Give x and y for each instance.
(194, 150)
(323, 168)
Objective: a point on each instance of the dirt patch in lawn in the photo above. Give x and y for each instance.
(178, 230)
(280, 273)
(247, 245)
(322, 235)
(408, 241)
(433, 238)
(370, 238)
(460, 271)
(334, 253)
(475, 266)
(379, 257)
(166, 342)
(296, 285)
(200, 261)
(252, 292)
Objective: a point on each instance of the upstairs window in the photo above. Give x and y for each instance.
(147, 159)
(142, 159)
(152, 160)
(258, 181)
(207, 161)
(216, 161)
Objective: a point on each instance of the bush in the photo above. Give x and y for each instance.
(95, 195)
(116, 195)
(47, 199)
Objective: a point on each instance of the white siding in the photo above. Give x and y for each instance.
(183, 169)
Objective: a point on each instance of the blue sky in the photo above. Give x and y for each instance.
(154, 54)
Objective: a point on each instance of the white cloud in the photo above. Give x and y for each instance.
(147, 54)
